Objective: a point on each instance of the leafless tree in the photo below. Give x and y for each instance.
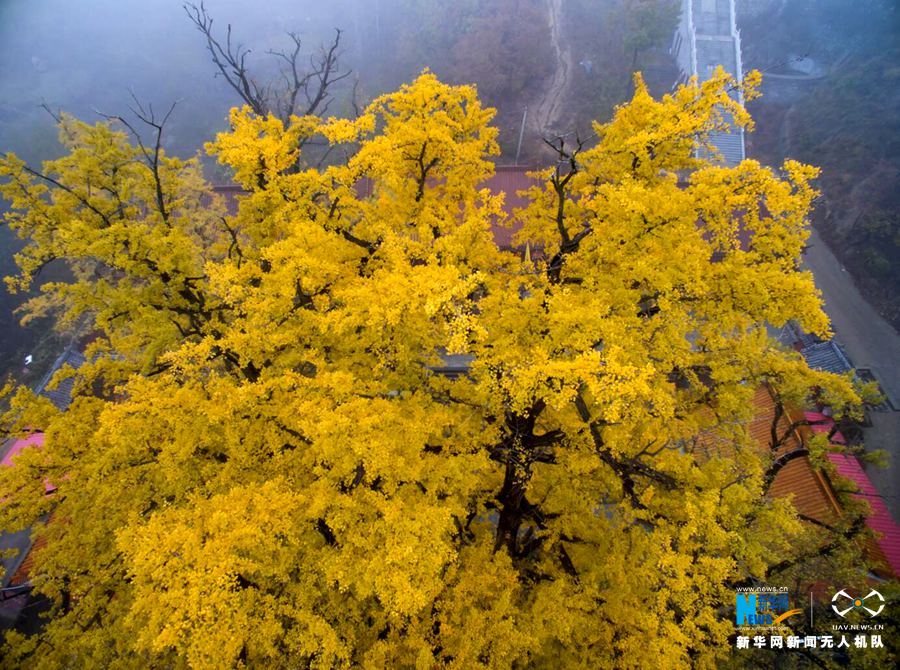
(297, 90)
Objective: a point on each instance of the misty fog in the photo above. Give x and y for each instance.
(92, 56)
(87, 57)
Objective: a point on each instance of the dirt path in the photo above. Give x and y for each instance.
(549, 108)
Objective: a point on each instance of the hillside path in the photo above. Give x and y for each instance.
(549, 108)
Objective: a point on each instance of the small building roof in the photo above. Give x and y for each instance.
(61, 395)
(880, 519)
(35, 439)
(509, 180)
(812, 492)
(821, 423)
(828, 356)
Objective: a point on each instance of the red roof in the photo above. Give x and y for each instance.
(35, 439)
(822, 423)
(812, 492)
(24, 572)
(880, 519)
(507, 179)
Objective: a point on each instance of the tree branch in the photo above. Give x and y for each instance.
(315, 84)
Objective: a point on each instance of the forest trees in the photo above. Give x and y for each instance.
(610, 39)
(650, 23)
(260, 467)
(503, 47)
(854, 97)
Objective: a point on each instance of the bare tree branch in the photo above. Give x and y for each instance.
(560, 180)
(57, 115)
(231, 60)
(779, 463)
(354, 99)
(313, 85)
(151, 156)
(153, 162)
(326, 73)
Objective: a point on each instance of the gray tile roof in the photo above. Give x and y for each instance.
(828, 356)
(792, 335)
(61, 396)
(454, 365)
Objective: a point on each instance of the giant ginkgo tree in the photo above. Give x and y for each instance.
(264, 466)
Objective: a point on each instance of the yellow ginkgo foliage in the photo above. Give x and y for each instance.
(263, 465)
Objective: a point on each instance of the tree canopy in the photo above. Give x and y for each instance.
(263, 467)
